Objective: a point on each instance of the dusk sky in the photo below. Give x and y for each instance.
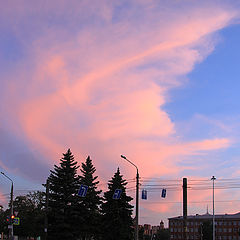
(155, 80)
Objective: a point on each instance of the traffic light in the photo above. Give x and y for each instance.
(8, 219)
(12, 219)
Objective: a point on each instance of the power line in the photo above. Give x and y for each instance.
(193, 202)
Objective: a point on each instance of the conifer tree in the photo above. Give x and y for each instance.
(91, 202)
(117, 223)
(63, 202)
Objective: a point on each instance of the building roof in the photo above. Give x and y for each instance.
(209, 216)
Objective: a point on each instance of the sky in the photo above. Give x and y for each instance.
(154, 80)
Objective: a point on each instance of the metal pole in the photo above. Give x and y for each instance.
(184, 208)
(137, 197)
(201, 232)
(46, 211)
(137, 203)
(12, 211)
(11, 206)
(213, 178)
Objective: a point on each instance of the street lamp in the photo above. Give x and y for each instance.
(137, 196)
(11, 228)
(213, 178)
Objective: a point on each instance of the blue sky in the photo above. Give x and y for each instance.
(213, 86)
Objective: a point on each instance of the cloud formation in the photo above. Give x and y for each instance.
(96, 78)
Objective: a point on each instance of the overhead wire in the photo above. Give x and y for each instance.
(155, 184)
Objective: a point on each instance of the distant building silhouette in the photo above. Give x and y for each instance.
(227, 226)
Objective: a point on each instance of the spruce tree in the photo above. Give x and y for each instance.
(63, 202)
(91, 202)
(117, 223)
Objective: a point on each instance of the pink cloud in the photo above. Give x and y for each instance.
(106, 98)
(4, 199)
(210, 144)
(102, 89)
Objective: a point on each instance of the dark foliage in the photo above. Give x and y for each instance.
(117, 223)
(91, 202)
(206, 230)
(162, 234)
(3, 220)
(30, 210)
(64, 209)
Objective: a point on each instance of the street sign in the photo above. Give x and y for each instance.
(144, 194)
(164, 192)
(82, 190)
(16, 221)
(117, 194)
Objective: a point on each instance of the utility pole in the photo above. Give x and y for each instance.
(46, 211)
(137, 197)
(137, 203)
(201, 233)
(11, 206)
(213, 179)
(11, 229)
(184, 208)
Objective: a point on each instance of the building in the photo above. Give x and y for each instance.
(161, 225)
(227, 226)
(149, 230)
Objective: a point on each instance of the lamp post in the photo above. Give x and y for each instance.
(11, 226)
(137, 197)
(213, 178)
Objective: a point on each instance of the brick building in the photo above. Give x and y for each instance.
(227, 226)
(149, 230)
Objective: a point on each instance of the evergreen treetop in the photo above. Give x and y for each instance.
(63, 205)
(91, 202)
(117, 220)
